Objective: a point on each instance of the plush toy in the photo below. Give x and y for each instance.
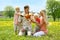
(27, 16)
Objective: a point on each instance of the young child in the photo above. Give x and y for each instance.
(37, 21)
(17, 20)
(43, 28)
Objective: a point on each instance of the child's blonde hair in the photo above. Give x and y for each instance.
(17, 8)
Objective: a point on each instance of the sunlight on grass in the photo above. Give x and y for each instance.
(7, 32)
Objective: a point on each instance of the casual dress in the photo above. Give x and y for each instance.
(17, 22)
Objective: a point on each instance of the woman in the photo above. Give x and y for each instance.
(42, 25)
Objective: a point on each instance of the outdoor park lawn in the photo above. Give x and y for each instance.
(7, 31)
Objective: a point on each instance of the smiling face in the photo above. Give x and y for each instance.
(36, 16)
(17, 9)
(26, 9)
(41, 13)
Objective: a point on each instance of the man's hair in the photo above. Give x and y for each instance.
(26, 6)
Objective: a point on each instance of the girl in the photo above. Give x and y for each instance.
(17, 20)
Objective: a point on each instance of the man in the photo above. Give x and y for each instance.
(26, 21)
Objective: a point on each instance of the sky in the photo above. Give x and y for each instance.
(35, 5)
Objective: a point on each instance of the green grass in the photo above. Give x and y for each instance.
(6, 19)
(51, 20)
(7, 33)
(10, 19)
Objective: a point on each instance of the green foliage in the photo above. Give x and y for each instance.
(53, 8)
(6, 19)
(9, 11)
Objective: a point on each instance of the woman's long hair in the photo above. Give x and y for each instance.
(43, 14)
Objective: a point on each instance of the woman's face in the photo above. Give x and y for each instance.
(41, 14)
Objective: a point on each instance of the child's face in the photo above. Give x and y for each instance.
(18, 10)
(35, 16)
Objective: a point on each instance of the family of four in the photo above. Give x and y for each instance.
(23, 22)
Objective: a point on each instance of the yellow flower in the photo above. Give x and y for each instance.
(6, 23)
(54, 23)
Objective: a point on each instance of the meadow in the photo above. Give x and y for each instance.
(7, 31)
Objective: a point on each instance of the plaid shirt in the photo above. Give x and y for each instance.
(25, 22)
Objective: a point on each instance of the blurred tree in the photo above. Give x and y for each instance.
(57, 11)
(53, 8)
(8, 11)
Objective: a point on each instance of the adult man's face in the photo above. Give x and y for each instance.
(26, 10)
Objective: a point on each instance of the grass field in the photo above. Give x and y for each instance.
(7, 31)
